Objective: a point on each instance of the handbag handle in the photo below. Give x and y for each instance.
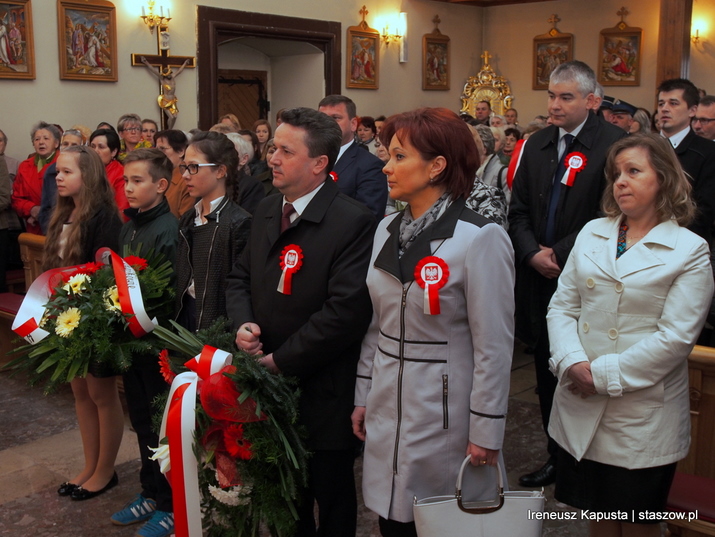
(498, 502)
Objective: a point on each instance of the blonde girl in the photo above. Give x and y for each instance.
(86, 219)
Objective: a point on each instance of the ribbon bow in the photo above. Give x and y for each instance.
(178, 425)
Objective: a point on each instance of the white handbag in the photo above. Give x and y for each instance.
(512, 514)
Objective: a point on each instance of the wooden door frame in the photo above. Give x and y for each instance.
(217, 25)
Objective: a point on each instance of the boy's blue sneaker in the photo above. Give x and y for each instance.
(138, 510)
(161, 524)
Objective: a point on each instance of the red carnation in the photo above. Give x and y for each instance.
(136, 262)
(236, 445)
(165, 367)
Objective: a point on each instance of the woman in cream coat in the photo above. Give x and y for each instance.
(629, 307)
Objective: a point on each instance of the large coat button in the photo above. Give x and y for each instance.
(590, 283)
(613, 333)
(619, 287)
(586, 328)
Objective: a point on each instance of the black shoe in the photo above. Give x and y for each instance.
(81, 494)
(542, 477)
(67, 488)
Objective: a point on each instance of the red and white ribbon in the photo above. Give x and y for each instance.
(28, 318)
(178, 425)
(575, 162)
(333, 176)
(431, 274)
(514, 162)
(291, 261)
(130, 293)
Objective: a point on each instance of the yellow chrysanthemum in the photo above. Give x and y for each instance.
(67, 321)
(77, 283)
(111, 297)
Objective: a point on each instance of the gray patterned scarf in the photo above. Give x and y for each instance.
(411, 228)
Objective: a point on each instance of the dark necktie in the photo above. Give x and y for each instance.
(550, 235)
(285, 217)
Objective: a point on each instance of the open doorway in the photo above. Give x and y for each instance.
(259, 76)
(218, 26)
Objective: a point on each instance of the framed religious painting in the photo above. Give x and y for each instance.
(87, 40)
(619, 61)
(550, 51)
(435, 61)
(17, 50)
(363, 50)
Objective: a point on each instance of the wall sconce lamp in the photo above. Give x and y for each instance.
(154, 19)
(698, 31)
(400, 30)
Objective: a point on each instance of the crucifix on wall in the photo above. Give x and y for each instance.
(160, 65)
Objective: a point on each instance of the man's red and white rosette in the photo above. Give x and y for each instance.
(333, 176)
(291, 261)
(431, 274)
(575, 162)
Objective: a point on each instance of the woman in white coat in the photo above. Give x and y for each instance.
(629, 306)
(433, 378)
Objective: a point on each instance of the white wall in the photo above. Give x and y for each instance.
(69, 102)
(702, 55)
(296, 81)
(234, 55)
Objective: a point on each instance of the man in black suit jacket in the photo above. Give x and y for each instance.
(546, 214)
(298, 296)
(677, 103)
(359, 171)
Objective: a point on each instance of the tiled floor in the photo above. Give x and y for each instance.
(40, 448)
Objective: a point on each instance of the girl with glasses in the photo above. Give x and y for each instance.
(212, 234)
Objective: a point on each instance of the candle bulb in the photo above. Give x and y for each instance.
(168, 13)
(162, 11)
(143, 12)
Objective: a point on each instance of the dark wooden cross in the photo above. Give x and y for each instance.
(164, 61)
(622, 13)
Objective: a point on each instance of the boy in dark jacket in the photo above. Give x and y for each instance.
(152, 226)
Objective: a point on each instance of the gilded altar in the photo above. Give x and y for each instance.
(486, 86)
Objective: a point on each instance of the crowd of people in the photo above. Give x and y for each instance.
(427, 243)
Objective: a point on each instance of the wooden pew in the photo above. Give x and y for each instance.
(694, 485)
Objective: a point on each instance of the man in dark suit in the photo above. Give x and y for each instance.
(359, 171)
(677, 103)
(298, 296)
(557, 189)
(704, 120)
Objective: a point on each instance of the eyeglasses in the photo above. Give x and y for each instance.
(704, 120)
(132, 129)
(193, 168)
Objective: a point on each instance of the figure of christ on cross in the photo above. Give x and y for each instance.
(160, 66)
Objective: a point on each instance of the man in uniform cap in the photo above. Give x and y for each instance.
(605, 108)
(622, 114)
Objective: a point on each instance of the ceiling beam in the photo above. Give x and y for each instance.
(490, 3)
